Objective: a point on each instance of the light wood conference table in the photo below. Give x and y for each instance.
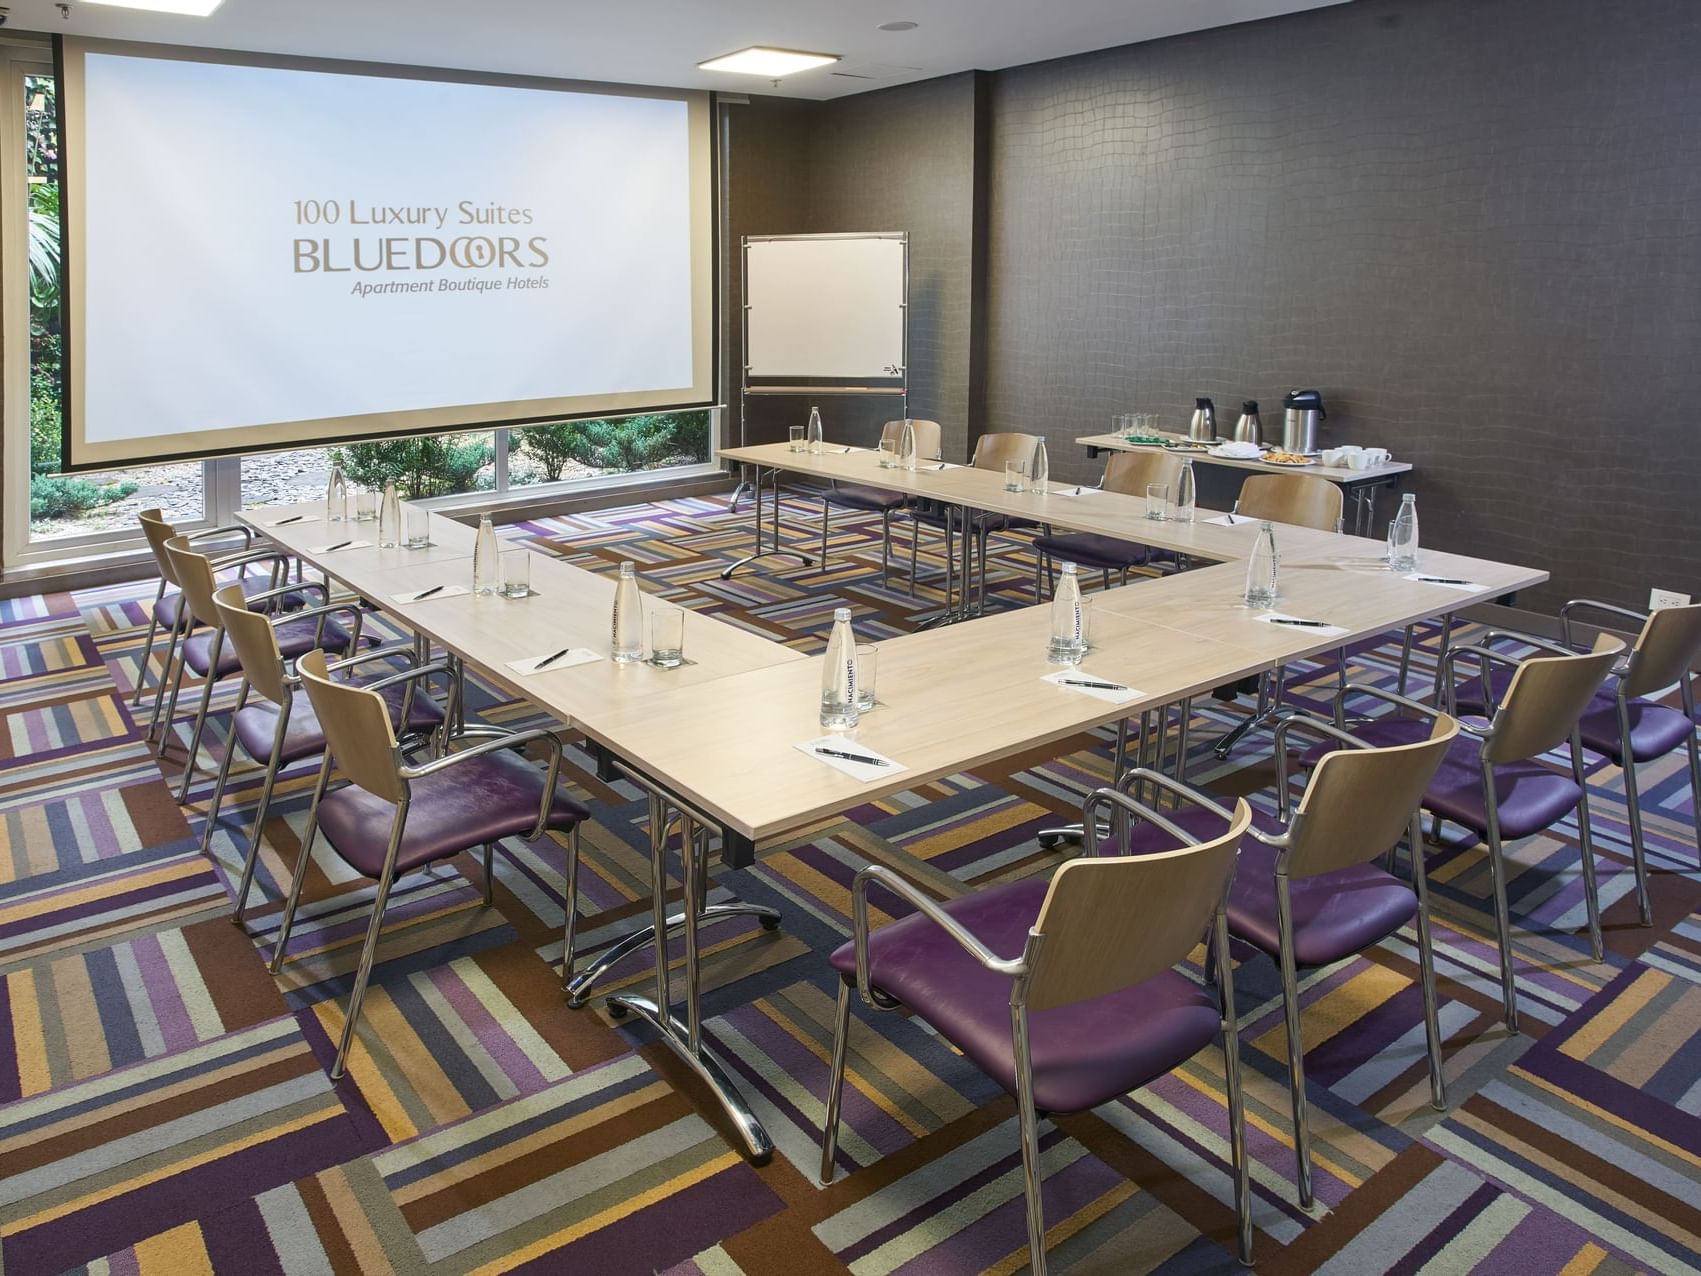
(716, 742)
(1361, 485)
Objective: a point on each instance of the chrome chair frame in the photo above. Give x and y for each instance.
(1020, 970)
(1632, 794)
(171, 671)
(494, 739)
(145, 661)
(1486, 657)
(291, 682)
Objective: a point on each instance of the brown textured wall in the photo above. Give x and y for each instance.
(893, 159)
(1475, 225)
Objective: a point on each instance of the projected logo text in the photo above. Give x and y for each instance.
(358, 253)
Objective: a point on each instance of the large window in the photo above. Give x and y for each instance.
(50, 517)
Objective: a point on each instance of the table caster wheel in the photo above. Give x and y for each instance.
(770, 923)
(1049, 841)
(616, 1010)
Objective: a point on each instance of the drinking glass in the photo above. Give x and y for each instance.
(366, 507)
(418, 527)
(667, 636)
(795, 434)
(1157, 501)
(1015, 476)
(516, 573)
(866, 656)
(888, 453)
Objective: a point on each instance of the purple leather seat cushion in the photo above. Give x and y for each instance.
(1530, 795)
(257, 722)
(169, 610)
(1655, 729)
(294, 638)
(478, 801)
(1088, 549)
(1083, 1054)
(855, 496)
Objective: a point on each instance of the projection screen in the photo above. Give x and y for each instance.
(266, 252)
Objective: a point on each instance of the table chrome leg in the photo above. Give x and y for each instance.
(777, 550)
(579, 988)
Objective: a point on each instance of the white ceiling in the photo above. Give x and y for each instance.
(661, 41)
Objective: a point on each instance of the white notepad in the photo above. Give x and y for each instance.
(1281, 620)
(1446, 582)
(336, 547)
(543, 664)
(1115, 693)
(864, 771)
(431, 593)
(292, 520)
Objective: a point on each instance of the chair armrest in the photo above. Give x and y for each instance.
(508, 741)
(1180, 790)
(1429, 711)
(218, 533)
(1590, 604)
(301, 587)
(309, 613)
(904, 889)
(404, 649)
(401, 676)
(1321, 727)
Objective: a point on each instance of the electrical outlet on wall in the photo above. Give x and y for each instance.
(1658, 598)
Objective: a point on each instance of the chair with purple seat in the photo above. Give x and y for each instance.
(991, 452)
(1492, 780)
(209, 658)
(167, 612)
(1309, 893)
(1624, 723)
(1129, 473)
(1066, 992)
(392, 818)
(876, 500)
(278, 727)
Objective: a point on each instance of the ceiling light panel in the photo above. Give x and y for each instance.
(771, 63)
(187, 8)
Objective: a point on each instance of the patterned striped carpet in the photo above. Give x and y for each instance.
(165, 1105)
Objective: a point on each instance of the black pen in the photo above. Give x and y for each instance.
(426, 593)
(852, 757)
(338, 545)
(1099, 686)
(549, 660)
(293, 518)
(940, 466)
(1309, 624)
(1444, 580)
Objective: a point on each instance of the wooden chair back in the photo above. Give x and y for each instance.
(356, 723)
(928, 437)
(256, 643)
(1665, 650)
(1130, 472)
(1359, 802)
(1110, 923)
(993, 450)
(1303, 500)
(193, 574)
(157, 532)
(1546, 697)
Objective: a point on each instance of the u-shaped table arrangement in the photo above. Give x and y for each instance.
(714, 741)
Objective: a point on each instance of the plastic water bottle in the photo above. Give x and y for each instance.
(906, 446)
(1039, 472)
(1186, 493)
(1068, 620)
(336, 496)
(485, 558)
(813, 434)
(389, 518)
(1403, 536)
(1263, 569)
(626, 629)
(838, 674)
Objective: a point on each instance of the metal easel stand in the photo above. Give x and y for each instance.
(756, 512)
(685, 1038)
